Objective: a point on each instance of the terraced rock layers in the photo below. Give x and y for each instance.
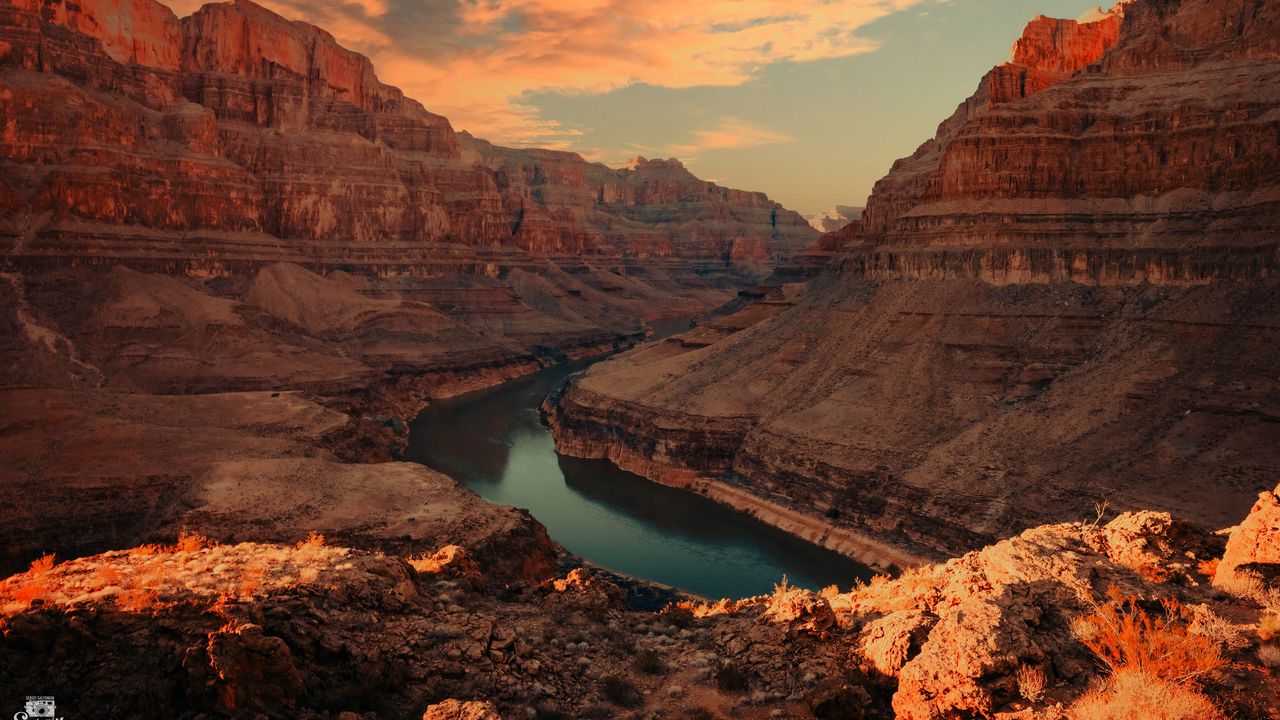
(1065, 298)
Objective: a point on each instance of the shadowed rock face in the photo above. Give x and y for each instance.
(1067, 295)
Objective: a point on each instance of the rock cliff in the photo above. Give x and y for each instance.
(232, 203)
(1068, 296)
(233, 138)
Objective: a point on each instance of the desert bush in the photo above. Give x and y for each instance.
(1217, 630)
(699, 713)
(621, 692)
(1150, 638)
(650, 662)
(1031, 682)
(731, 677)
(1131, 694)
(314, 540)
(191, 542)
(138, 600)
(36, 586)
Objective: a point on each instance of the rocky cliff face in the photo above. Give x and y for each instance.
(198, 215)
(1148, 128)
(233, 137)
(1066, 296)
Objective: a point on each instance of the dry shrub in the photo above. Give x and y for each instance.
(1157, 643)
(732, 678)
(137, 600)
(650, 662)
(191, 542)
(36, 586)
(1269, 656)
(702, 609)
(1130, 694)
(1031, 682)
(251, 579)
(621, 692)
(1208, 568)
(1217, 630)
(150, 549)
(1269, 627)
(187, 542)
(314, 540)
(105, 576)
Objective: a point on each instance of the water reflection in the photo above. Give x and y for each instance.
(494, 442)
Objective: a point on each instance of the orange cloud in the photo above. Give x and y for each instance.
(473, 60)
(729, 133)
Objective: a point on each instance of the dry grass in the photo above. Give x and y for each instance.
(314, 540)
(34, 586)
(1269, 656)
(1031, 682)
(157, 576)
(1130, 694)
(1153, 639)
(1217, 630)
(187, 543)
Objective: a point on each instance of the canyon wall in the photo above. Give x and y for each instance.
(233, 138)
(1067, 297)
(230, 203)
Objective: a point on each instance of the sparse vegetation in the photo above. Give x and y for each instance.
(1031, 682)
(35, 586)
(1134, 695)
(1148, 637)
(1212, 627)
(732, 678)
(1269, 656)
(621, 692)
(1154, 661)
(650, 662)
(314, 540)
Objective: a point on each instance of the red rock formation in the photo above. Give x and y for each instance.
(1092, 139)
(1067, 295)
(234, 137)
(1254, 546)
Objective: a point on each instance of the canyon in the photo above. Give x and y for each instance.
(1029, 385)
(1065, 298)
(232, 203)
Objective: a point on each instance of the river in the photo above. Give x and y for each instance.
(494, 442)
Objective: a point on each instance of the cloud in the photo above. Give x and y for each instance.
(729, 133)
(474, 60)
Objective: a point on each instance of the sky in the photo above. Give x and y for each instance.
(810, 101)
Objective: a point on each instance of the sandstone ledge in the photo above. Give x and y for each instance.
(562, 416)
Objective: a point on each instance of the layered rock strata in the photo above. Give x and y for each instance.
(228, 214)
(1066, 298)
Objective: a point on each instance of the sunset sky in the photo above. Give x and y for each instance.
(807, 100)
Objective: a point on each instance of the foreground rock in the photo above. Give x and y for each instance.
(316, 630)
(1071, 288)
(1253, 550)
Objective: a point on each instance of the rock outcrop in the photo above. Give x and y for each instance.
(1066, 297)
(1254, 545)
(317, 629)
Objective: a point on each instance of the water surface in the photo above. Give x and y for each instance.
(494, 442)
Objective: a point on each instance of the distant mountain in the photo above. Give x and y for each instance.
(834, 218)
